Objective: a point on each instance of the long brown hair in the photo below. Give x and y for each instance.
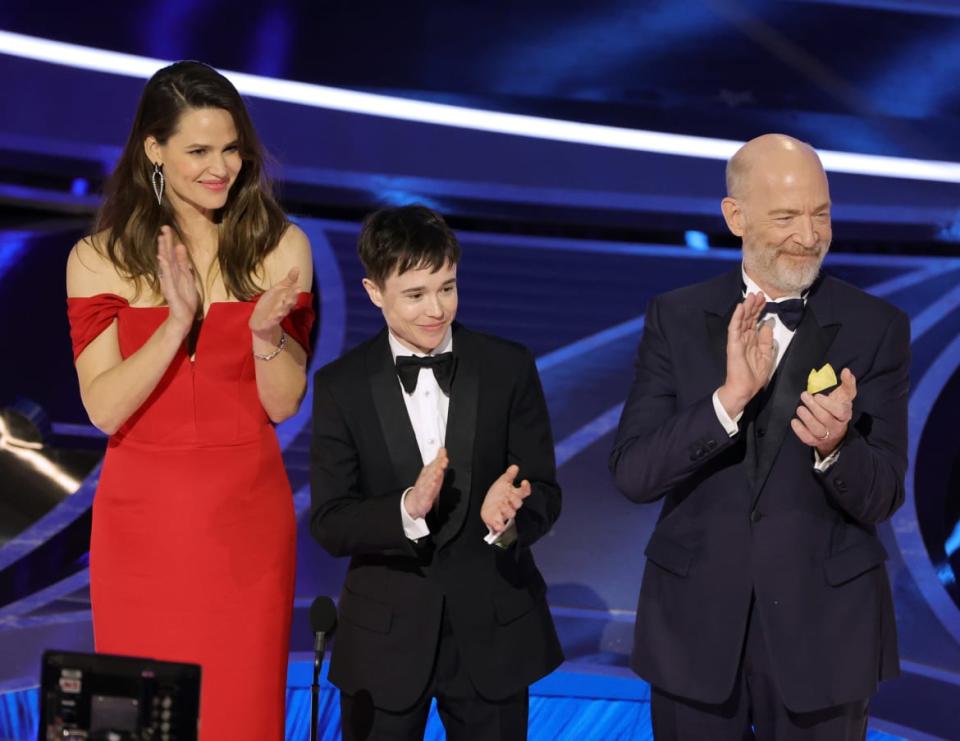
(250, 223)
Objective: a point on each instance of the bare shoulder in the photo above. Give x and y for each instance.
(293, 251)
(89, 270)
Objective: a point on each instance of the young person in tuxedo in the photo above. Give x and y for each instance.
(765, 609)
(433, 470)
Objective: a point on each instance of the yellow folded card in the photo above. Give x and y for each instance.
(818, 380)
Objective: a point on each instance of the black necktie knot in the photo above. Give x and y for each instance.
(789, 311)
(442, 365)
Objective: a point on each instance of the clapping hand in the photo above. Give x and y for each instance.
(421, 498)
(750, 355)
(274, 306)
(177, 282)
(503, 500)
(822, 419)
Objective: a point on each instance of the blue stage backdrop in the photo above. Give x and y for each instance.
(579, 306)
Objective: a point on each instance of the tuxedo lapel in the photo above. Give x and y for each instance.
(807, 350)
(461, 431)
(392, 412)
(717, 335)
(717, 312)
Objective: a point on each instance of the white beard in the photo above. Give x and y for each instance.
(767, 267)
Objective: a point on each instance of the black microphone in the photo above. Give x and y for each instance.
(323, 619)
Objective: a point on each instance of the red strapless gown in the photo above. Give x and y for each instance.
(194, 535)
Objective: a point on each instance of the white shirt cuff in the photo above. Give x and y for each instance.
(732, 426)
(412, 528)
(822, 464)
(504, 538)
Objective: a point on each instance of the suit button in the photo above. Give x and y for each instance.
(711, 444)
(755, 516)
(761, 432)
(840, 484)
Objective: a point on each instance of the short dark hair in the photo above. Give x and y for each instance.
(405, 238)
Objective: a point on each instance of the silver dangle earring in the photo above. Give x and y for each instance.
(157, 180)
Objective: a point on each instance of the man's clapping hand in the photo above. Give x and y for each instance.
(822, 419)
(421, 498)
(503, 500)
(750, 355)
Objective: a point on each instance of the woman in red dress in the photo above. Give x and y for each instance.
(190, 320)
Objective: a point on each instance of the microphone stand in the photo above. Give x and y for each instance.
(319, 642)
(323, 620)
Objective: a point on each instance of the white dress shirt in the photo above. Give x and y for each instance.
(782, 337)
(427, 408)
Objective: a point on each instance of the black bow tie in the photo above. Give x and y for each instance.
(789, 311)
(442, 365)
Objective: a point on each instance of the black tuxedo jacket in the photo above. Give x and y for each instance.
(364, 455)
(750, 515)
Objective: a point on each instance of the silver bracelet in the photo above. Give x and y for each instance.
(272, 355)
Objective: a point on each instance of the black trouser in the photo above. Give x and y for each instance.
(466, 716)
(755, 710)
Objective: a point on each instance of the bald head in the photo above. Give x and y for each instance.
(778, 203)
(770, 154)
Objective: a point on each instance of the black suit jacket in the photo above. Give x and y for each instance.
(750, 515)
(364, 455)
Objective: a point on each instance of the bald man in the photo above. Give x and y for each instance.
(765, 607)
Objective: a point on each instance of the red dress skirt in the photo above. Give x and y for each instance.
(194, 535)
